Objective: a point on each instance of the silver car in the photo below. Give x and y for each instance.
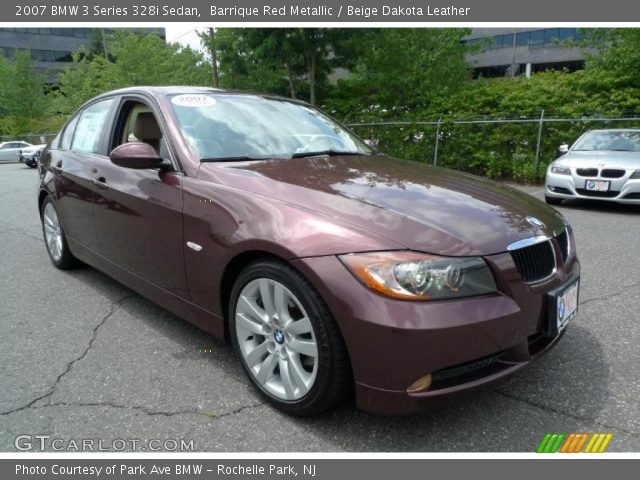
(601, 165)
(9, 150)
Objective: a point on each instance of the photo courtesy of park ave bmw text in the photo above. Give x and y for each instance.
(317, 239)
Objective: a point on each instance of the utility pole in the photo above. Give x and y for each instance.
(104, 44)
(214, 57)
(513, 60)
(540, 125)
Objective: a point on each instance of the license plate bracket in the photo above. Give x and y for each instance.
(562, 306)
(593, 185)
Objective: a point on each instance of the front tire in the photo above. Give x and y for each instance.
(287, 340)
(54, 237)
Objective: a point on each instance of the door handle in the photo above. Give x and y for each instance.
(57, 167)
(100, 183)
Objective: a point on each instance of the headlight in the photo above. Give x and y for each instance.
(417, 276)
(560, 170)
(635, 175)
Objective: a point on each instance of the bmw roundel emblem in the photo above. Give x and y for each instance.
(278, 336)
(561, 309)
(535, 222)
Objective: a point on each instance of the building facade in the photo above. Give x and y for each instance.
(523, 51)
(51, 48)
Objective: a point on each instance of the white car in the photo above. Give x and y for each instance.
(30, 155)
(600, 165)
(9, 150)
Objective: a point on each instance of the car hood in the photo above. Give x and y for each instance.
(421, 207)
(32, 148)
(593, 159)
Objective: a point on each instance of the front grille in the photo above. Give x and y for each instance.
(587, 172)
(612, 173)
(563, 243)
(632, 196)
(591, 193)
(535, 262)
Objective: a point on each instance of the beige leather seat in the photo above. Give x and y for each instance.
(146, 130)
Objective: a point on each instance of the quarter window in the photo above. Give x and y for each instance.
(88, 132)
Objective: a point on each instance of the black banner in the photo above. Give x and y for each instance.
(301, 11)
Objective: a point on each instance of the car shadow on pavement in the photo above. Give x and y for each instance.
(601, 206)
(564, 391)
(189, 342)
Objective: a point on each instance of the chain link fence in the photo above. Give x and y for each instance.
(511, 148)
(502, 148)
(33, 138)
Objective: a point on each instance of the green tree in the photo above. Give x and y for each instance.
(22, 92)
(402, 70)
(244, 66)
(616, 54)
(135, 59)
(295, 62)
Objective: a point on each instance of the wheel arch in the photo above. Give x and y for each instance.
(231, 272)
(41, 196)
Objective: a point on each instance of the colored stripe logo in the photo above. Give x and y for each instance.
(574, 443)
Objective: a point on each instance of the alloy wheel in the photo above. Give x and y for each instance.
(276, 339)
(52, 232)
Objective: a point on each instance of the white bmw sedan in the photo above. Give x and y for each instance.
(601, 164)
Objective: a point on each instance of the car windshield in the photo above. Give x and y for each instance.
(229, 127)
(623, 140)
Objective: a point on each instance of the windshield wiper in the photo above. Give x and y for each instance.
(329, 152)
(240, 158)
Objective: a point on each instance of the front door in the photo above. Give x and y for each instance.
(138, 213)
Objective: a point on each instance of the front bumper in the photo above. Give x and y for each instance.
(28, 159)
(622, 190)
(464, 344)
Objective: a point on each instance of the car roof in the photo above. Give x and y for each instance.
(162, 91)
(614, 130)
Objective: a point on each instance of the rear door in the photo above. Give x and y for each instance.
(73, 165)
(138, 213)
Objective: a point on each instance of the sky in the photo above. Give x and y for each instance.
(184, 33)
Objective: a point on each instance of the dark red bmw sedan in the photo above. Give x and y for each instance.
(330, 267)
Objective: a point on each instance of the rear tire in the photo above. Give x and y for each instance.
(552, 200)
(54, 237)
(288, 342)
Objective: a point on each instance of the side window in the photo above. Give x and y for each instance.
(65, 143)
(139, 124)
(88, 132)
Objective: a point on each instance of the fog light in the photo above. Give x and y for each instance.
(420, 385)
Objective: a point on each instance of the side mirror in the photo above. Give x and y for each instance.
(137, 155)
(564, 148)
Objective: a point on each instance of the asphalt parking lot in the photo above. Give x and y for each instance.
(82, 357)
